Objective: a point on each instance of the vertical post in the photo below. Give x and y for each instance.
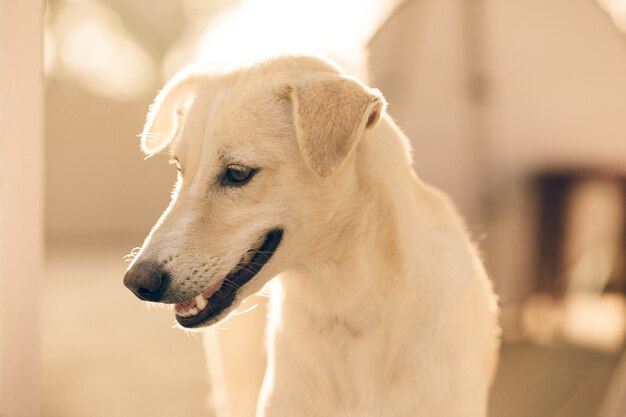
(477, 81)
(21, 198)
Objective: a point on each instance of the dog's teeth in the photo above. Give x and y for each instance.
(247, 257)
(193, 311)
(200, 302)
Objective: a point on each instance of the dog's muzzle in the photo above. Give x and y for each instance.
(149, 281)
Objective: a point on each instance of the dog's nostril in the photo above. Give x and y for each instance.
(147, 281)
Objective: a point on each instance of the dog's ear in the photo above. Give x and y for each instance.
(167, 113)
(331, 113)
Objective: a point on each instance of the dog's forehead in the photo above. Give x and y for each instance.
(235, 117)
(245, 112)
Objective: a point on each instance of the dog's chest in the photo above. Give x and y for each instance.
(357, 370)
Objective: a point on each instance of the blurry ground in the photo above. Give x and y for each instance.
(535, 381)
(106, 354)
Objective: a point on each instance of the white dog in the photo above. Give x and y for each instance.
(292, 167)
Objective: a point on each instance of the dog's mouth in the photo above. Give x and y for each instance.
(212, 302)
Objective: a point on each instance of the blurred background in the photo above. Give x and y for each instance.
(517, 109)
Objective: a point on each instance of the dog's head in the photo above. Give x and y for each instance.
(265, 155)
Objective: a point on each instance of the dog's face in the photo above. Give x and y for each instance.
(263, 158)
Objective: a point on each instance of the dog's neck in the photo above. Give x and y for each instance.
(370, 256)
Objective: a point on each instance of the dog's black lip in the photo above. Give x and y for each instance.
(225, 296)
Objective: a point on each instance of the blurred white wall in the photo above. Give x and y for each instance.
(557, 71)
(98, 186)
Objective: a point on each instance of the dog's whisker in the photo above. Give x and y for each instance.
(131, 255)
(258, 252)
(243, 268)
(247, 310)
(256, 263)
(230, 281)
(193, 335)
(231, 285)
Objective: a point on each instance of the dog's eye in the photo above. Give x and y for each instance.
(238, 175)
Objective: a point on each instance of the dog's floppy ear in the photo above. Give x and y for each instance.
(331, 113)
(167, 113)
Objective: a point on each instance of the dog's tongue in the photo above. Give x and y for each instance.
(208, 293)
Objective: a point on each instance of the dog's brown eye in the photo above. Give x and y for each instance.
(238, 174)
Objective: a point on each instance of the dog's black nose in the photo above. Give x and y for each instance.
(147, 280)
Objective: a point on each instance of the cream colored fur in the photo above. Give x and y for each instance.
(383, 307)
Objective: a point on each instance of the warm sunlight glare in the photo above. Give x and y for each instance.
(259, 28)
(617, 10)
